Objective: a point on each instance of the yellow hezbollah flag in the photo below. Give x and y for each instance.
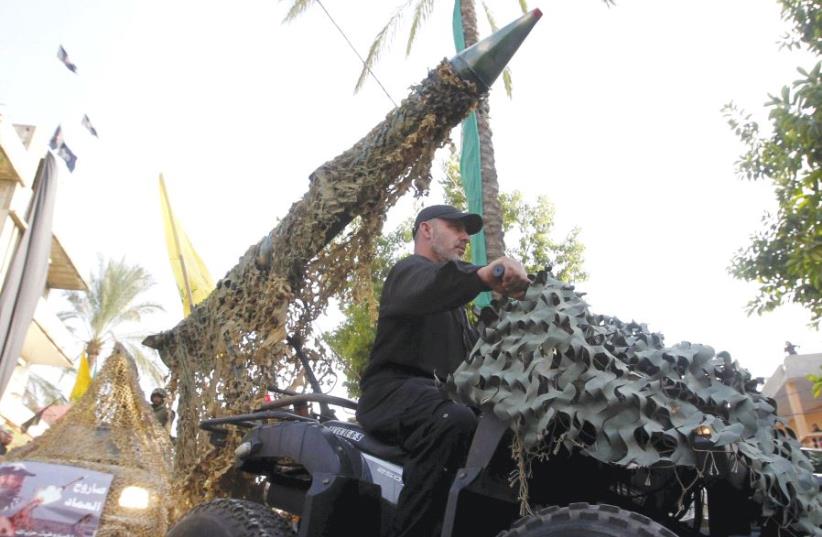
(193, 280)
(83, 379)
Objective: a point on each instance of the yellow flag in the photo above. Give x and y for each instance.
(193, 280)
(83, 379)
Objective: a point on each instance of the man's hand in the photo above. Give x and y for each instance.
(514, 281)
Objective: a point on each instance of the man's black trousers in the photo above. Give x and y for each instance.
(435, 432)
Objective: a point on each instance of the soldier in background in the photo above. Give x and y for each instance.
(164, 415)
(6, 438)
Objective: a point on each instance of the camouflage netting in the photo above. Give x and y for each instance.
(232, 346)
(111, 429)
(564, 376)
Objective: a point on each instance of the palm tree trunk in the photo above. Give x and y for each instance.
(492, 214)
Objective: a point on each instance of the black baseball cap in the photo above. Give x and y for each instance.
(472, 221)
(15, 469)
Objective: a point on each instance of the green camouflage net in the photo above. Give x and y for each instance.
(231, 347)
(561, 375)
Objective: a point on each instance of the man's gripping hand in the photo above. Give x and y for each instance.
(514, 281)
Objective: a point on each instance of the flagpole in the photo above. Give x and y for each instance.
(177, 244)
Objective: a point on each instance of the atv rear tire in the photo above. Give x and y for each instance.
(228, 517)
(584, 520)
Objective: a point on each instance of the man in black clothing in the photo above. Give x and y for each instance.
(423, 335)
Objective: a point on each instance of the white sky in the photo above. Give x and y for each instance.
(615, 117)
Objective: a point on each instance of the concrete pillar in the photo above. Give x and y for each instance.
(798, 413)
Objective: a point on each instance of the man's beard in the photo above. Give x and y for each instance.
(442, 251)
(9, 497)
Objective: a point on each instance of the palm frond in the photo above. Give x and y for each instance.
(506, 73)
(507, 83)
(296, 9)
(421, 13)
(492, 22)
(147, 363)
(114, 288)
(40, 392)
(383, 37)
(136, 313)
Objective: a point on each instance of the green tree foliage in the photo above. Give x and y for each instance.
(784, 258)
(528, 228)
(816, 380)
(530, 223)
(352, 340)
(99, 316)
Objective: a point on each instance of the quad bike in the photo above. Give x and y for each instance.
(327, 477)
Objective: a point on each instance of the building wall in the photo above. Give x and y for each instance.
(45, 345)
(793, 393)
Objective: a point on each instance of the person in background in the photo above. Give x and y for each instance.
(6, 438)
(164, 415)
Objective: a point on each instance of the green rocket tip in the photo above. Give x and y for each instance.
(483, 62)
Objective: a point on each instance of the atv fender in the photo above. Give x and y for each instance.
(341, 499)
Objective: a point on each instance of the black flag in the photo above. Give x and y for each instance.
(62, 55)
(89, 127)
(61, 149)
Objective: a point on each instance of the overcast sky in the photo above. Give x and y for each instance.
(615, 117)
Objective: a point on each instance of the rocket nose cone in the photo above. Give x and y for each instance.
(484, 61)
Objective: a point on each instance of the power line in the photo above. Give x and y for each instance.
(350, 44)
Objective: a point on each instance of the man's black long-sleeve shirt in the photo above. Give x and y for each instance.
(422, 329)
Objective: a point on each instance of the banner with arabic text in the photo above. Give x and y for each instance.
(40, 499)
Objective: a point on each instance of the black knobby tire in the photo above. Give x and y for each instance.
(584, 520)
(228, 517)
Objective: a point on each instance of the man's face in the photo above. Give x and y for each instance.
(448, 239)
(11, 481)
(5, 438)
(157, 399)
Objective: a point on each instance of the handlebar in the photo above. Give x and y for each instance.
(498, 272)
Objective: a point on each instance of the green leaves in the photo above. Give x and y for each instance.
(380, 42)
(817, 384)
(421, 13)
(296, 9)
(528, 226)
(111, 302)
(784, 258)
(352, 340)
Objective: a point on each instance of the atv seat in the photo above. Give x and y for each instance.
(354, 433)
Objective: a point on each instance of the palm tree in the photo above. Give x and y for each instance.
(107, 306)
(494, 245)
(40, 392)
(422, 10)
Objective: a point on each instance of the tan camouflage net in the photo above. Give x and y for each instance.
(564, 376)
(224, 355)
(112, 429)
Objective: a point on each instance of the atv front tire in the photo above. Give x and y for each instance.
(584, 520)
(228, 517)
